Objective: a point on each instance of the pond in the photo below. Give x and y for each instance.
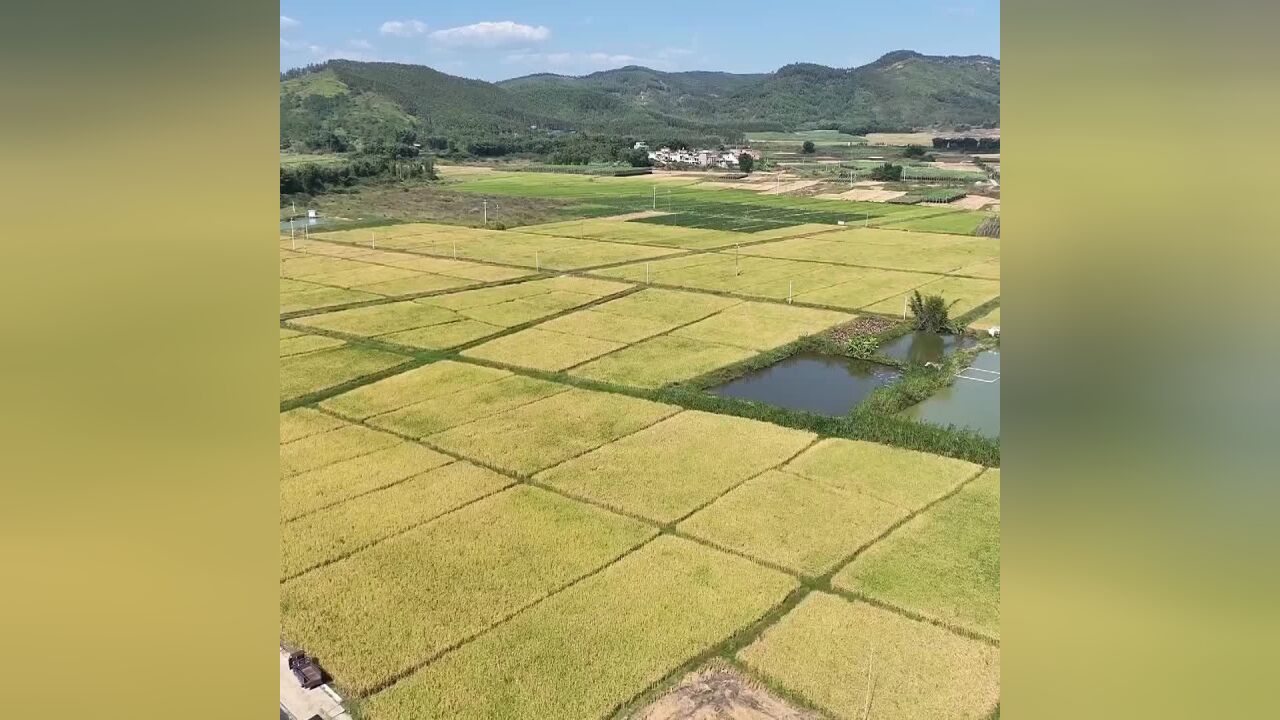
(920, 347)
(972, 401)
(820, 384)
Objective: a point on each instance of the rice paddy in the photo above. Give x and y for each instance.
(894, 250)
(538, 251)
(831, 501)
(847, 656)
(321, 370)
(468, 531)
(585, 651)
(670, 469)
(459, 576)
(323, 274)
(944, 564)
(743, 274)
(440, 322)
(536, 436)
(573, 340)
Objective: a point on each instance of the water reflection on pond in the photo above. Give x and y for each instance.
(920, 347)
(820, 384)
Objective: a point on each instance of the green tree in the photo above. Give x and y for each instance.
(746, 162)
(887, 172)
(932, 313)
(807, 148)
(913, 151)
(639, 158)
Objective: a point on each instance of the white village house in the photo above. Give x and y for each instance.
(727, 158)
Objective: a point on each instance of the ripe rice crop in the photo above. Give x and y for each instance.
(847, 656)
(343, 480)
(421, 383)
(536, 436)
(315, 371)
(382, 612)
(660, 361)
(793, 522)
(542, 349)
(302, 422)
(347, 527)
(589, 649)
(669, 469)
(427, 417)
(341, 442)
(943, 564)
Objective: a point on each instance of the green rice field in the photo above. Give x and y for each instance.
(504, 494)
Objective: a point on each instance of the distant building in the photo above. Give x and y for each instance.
(641, 145)
(707, 158)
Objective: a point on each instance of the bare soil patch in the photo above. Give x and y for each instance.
(790, 187)
(871, 195)
(973, 202)
(719, 692)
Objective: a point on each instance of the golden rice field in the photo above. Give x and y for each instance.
(490, 506)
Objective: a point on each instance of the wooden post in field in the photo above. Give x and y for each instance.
(646, 273)
(537, 263)
(655, 197)
(455, 248)
(373, 240)
(904, 308)
(293, 239)
(789, 282)
(737, 269)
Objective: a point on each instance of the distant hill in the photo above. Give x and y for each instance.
(900, 91)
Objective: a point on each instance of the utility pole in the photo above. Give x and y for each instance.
(486, 212)
(655, 197)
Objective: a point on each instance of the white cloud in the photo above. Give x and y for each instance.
(288, 22)
(403, 28)
(492, 34)
(360, 44)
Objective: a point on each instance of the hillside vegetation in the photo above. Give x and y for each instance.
(344, 104)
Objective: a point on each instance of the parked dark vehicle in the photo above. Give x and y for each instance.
(306, 670)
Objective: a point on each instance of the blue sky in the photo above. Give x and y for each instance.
(494, 40)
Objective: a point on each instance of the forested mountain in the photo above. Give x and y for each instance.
(347, 103)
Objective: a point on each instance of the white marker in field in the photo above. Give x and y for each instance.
(537, 263)
(789, 292)
(373, 240)
(655, 197)
(293, 239)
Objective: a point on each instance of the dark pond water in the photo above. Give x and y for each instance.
(820, 384)
(922, 347)
(972, 401)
